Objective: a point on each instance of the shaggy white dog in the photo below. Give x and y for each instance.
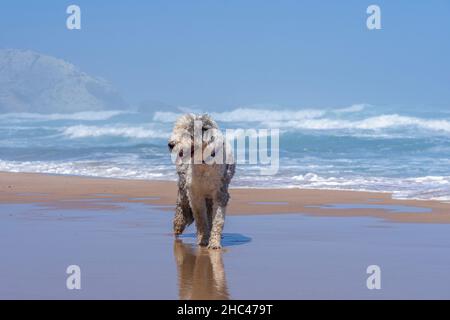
(205, 167)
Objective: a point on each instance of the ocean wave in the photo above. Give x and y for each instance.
(419, 188)
(89, 169)
(81, 116)
(391, 121)
(138, 132)
(352, 109)
(262, 114)
(323, 120)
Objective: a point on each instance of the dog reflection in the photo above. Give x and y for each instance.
(201, 274)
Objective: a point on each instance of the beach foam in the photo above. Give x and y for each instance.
(84, 116)
(389, 121)
(83, 131)
(262, 114)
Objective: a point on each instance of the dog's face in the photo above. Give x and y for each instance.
(192, 137)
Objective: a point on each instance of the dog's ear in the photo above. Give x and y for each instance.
(208, 122)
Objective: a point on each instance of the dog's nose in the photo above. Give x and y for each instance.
(171, 145)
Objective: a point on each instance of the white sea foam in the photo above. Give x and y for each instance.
(249, 115)
(89, 169)
(84, 116)
(255, 114)
(420, 188)
(138, 132)
(261, 115)
(352, 109)
(320, 119)
(390, 121)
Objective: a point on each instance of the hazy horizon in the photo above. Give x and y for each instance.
(217, 55)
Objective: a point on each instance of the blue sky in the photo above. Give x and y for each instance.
(219, 54)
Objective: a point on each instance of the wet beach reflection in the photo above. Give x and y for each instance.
(201, 272)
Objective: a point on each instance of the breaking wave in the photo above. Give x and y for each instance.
(83, 116)
(419, 188)
(261, 114)
(138, 132)
(350, 119)
(392, 121)
(90, 169)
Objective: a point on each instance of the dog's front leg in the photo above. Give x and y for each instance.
(201, 221)
(183, 214)
(217, 227)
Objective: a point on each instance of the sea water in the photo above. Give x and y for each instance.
(362, 147)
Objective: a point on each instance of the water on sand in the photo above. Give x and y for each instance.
(130, 253)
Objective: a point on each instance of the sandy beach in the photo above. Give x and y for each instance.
(278, 244)
(67, 191)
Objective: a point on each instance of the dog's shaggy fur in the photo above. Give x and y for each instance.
(202, 187)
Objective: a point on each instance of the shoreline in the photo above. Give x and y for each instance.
(78, 192)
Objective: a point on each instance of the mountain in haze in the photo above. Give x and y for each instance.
(37, 83)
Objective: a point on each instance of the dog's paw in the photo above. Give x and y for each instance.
(215, 246)
(178, 229)
(177, 232)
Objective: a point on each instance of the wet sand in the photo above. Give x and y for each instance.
(278, 244)
(128, 253)
(67, 192)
